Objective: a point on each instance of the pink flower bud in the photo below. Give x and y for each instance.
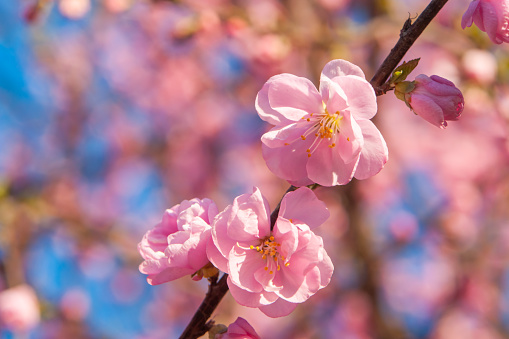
(491, 16)
(435, 99)
(176, 247)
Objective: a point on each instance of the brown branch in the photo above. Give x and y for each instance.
(198, 325)
(407, 37)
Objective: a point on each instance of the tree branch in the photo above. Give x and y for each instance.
(198, 325)
(407, 37)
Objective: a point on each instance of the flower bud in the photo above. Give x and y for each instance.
(434, 98)
(491, 16)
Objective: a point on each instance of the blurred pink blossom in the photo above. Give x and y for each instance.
(19, 308)
(435, 99)
(176, 246)
(491, 16)
(321, 136)
(240, 329)
(294, 264)
(480, 65)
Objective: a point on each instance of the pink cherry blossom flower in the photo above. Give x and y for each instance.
(240, 329)
(19, 309)
(176, 247)
(321, 136)
(272, 270)
(491, 16)
(435, 99)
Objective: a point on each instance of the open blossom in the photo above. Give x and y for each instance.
(491, 16)
(272, 270)
(176, 247)
(240, 329)
(435, 99)
(19, 309)
(321, 136)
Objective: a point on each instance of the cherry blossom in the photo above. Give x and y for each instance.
(435, 99)
(176, 246)
(321, 136)
(272, 270)
(240, 329)
(491, 16)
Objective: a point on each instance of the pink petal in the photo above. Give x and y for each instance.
(242, 264)
(340, 67)
(264, 110)
(328, 169)
(333, 96)
(288, 162)
(279, 308)
(279, 135)
(428, 110)
(303, 205)
(467, 19)
(220, 233)
(293, 96)
(350, 141)
(249, 219)
(490, 22)
(215, 257)
(250, 299)
(374, 153)
(299, 288)
(168, 274)
(197, 256)
(326, 269)
(361, 96)
(286, 234)
(242, 328)
(265, 278)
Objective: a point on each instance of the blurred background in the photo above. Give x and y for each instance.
(113, 110)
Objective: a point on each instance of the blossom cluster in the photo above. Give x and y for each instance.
(272, 269)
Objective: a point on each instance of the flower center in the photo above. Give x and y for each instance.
(324, 126)
(268, 248)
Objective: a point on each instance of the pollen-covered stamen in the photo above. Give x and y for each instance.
(268, 248)
(323, 125)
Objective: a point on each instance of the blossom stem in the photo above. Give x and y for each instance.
(198, 325)
(408, 35)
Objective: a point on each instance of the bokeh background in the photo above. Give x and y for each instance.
(113, 110)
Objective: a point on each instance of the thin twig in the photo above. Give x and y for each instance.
(407, 37)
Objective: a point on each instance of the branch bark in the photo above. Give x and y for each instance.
(407, 37)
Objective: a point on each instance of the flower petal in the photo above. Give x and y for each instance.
(241, 267)
(341, 67)
(279, 308)
(293, 96)
(289, 162)
(166, 275)
(467, 19)
(249, 218)
(361, 96)
(220, 233)
(428, 110)
(215, 257)
(328, 169)
(264, 110)
(374, 154)
(304, 206)
(250, 299)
